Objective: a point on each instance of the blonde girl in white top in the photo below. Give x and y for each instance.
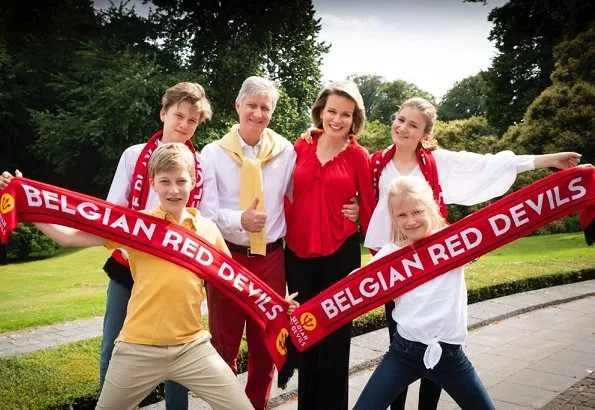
(431, 319)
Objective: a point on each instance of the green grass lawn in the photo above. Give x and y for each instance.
(72, 285)
(62, 288)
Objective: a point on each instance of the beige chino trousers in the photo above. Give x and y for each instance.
(134, 371)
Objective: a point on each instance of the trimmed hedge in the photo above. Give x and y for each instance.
(66, 377)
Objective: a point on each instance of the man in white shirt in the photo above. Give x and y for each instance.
(253, 170)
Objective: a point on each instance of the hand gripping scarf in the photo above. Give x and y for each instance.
(25, 200)
(509, 218)
(139, 189)
(427, 165)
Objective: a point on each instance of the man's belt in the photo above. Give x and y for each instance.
(246, 249)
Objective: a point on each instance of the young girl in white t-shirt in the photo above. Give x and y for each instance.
(431, 319)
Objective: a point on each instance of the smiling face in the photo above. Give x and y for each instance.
(179, 122)
(412, 219)
(173, 187)
(255, 112)
(337, 116)
(408, 128)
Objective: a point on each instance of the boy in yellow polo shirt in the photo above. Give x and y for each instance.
(163, 337)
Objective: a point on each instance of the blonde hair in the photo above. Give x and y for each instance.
(192, 93)
(173, 155)
(419, 190)
(428, 111)
(255, 85)
(345, 88)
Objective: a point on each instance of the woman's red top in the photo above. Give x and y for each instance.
(315, 224)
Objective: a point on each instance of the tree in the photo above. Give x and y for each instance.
(466, 99)
(562, 117)
(37, 39)
(525, 32)
(392, 95)
(470, 134)
(110, 102)
(225, 42)
(369, 87)
(375, 136)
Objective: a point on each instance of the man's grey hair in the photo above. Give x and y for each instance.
(256, 86)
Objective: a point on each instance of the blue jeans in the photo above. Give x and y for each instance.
(176, 395)
(403, 364)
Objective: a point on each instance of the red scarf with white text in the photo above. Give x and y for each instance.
(139, 188)
(509, 218)
(25, 200)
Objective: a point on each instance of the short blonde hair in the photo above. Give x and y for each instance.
(255, 85)
(419, 190)
(428, 111)
(192, 93)
(345, 88)
(173, 155)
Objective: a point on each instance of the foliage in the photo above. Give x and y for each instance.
(225, 42)
(525, 32)
(37, 38)
(562, 117)
(376, 136)
(26, 241)
(466, 99)
(391, 95)
(369, 87)
(471, 134)
(110, 102)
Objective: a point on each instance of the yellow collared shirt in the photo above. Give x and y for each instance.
(164, 308)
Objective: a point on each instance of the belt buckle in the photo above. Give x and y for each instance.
(250, 254)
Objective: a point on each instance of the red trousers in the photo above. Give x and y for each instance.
(227, 321)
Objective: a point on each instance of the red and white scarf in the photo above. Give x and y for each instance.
(427, 165)
(509, 218)
(139, 189)
(24, 200)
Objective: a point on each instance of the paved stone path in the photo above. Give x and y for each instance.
(532, 350)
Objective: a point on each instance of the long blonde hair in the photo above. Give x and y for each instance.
(419, 190)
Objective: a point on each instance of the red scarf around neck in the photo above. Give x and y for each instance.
(139, 189)
(427, 165)
(509, 218)
(25, 200)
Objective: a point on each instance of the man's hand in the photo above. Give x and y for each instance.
(5, 178)
(351, 210)
(293, 304)
(253, 220)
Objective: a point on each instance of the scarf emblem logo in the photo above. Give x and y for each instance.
(6, 203)
(280, 343)
(308, 321)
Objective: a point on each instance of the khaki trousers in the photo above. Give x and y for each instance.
(135, 370)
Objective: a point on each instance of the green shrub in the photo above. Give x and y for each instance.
(27, 241)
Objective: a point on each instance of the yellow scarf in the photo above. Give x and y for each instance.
(251, 177)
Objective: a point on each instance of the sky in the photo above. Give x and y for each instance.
(430, 43)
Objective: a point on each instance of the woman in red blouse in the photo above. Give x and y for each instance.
(323, 245)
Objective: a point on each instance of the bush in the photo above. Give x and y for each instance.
(27, 241)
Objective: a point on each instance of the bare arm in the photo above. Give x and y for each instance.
(71, 237)
(560, 160)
